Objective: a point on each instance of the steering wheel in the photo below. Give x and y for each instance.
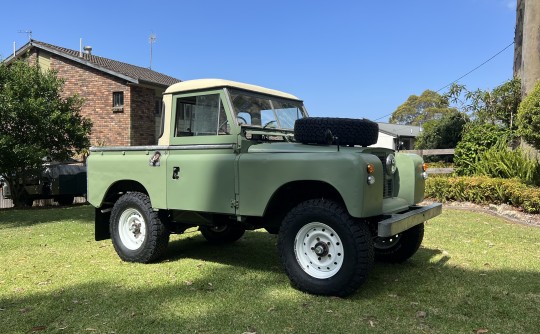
(241, 119)
(268, 123)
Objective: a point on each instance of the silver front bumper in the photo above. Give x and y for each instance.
(400, 222)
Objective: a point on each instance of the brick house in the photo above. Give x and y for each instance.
(121, 100)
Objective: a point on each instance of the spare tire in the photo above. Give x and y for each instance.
(331, 130)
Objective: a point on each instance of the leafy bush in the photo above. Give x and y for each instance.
(476, 139)
(528, 117)
(484, 190)
(442, 133)
(500, 162)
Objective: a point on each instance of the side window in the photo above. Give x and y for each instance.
(201, 115)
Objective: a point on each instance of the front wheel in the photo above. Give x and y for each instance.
(137, 233)
(400, 247)
(325, 251)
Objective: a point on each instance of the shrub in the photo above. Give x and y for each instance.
(528, 117)
(476, 139)
(501, 162)
(484, 190)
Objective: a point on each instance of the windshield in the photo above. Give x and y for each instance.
(266, 111)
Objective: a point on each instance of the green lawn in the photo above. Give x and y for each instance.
(474, 273)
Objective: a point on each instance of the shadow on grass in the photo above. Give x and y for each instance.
(10, 218)
(255, 250)
(228, 299)
(258, 251)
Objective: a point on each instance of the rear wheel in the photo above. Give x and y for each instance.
(324, 251)
(222, 234)
(65, 199)
(137, 233)
(400, 247)
(26, 199)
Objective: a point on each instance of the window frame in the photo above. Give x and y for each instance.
(271, 99)
(115, 96)
(202, 139)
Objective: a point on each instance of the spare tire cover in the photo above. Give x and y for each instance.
(332, 130)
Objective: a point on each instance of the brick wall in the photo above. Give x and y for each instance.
(143, 124)
(135, 125)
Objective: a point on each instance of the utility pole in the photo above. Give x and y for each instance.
(527, 51)
(518, 39)
(527, 48)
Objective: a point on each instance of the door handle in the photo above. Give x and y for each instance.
(175, 172)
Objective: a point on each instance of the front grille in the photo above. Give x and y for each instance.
(388, 181)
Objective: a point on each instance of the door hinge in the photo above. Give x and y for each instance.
(235, 204)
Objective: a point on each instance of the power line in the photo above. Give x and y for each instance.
(466, 74)
(477, 67)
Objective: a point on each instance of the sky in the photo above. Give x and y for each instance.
(355, 59)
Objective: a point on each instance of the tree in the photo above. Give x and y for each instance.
(36, 122)
(528, 118)
(498, 106)
(420, 109)
(443, 133)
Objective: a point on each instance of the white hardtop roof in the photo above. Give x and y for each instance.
(201, 84)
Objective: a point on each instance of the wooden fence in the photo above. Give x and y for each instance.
(423, 153)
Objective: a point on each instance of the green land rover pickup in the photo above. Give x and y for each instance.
(234, 157)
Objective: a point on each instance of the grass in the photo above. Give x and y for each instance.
(473, 273)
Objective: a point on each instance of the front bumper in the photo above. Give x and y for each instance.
(397, 223)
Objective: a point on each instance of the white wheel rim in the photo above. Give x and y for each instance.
(318, 250)
(132, 229)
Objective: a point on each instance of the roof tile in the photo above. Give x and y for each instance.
(132, 71)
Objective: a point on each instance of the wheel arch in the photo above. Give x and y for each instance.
(293, 193)
(119, 188)
(103, 212)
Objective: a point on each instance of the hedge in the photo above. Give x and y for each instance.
(484, 190)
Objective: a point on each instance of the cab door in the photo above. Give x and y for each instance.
(201, 156)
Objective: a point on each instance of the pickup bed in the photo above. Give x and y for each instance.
(234, 157)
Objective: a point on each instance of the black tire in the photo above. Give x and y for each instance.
(399, 248)
(65, 200)
(137, 233)
(338, 256)
(323, 130)
(222, 234)
(26, 199)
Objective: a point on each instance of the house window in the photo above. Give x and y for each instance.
(158, 105)
(118, 101)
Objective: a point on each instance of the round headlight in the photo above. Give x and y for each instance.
(391, 164)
